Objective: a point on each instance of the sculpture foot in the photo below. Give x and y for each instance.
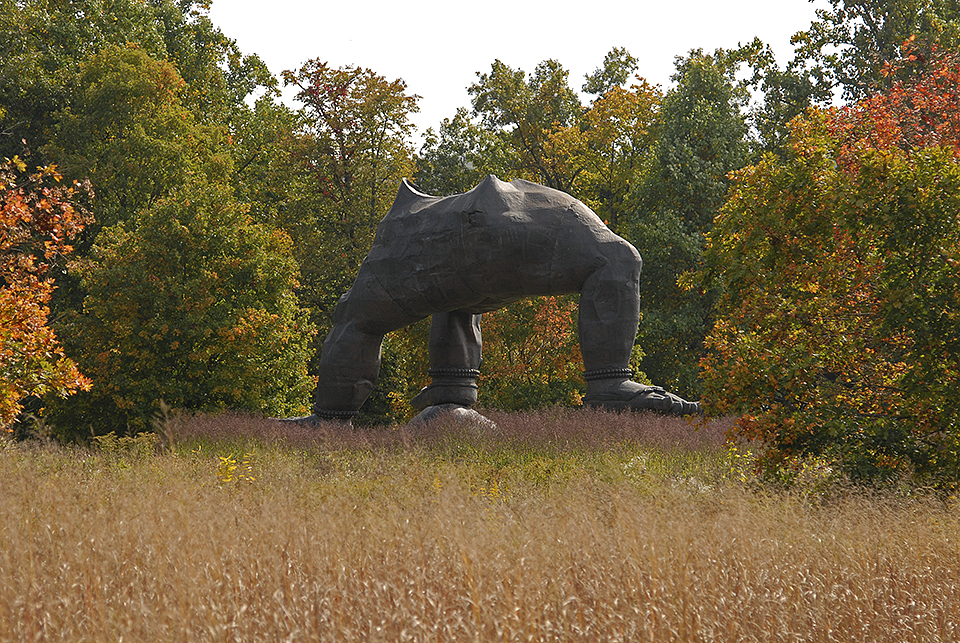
(445, 394)
(629, 395)
(452, 412)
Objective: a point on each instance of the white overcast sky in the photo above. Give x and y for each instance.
(438, 47)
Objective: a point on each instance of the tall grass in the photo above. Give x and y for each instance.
(557, 526)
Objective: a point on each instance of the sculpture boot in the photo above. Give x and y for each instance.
(448, 386)
(614, 390)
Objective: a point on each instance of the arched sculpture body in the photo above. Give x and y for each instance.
(456, 257)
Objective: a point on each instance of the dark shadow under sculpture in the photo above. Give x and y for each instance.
(456, 257)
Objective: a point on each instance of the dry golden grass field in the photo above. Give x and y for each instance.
(559, 525)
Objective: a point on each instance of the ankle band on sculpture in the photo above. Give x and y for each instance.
(334, 415)
(472, 373)
(607, 373)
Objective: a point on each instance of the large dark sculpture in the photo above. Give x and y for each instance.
(459, 256)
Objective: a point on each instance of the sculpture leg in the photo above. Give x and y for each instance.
(609, 316)
(349, 366)
(455, 349)
(350, 361)
(610, 309)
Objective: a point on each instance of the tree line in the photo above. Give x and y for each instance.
(167, 237)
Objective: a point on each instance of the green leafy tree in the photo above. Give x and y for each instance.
(854, 40)
(129, 133)
(193, 304)
(43, 43)
(354, 145)
(620, 133)
(538, 117)
(536, 128)
(42, 46)
(773, 95)
(837, 329)
(266, 174)
(701, 138)
(458, 156)
(618, 68)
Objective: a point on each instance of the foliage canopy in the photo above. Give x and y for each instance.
(193, 304)
(839, 267)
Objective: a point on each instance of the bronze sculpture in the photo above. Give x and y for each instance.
(454, 258)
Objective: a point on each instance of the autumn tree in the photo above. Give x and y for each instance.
(38, 220)
(351, 149)
(191, 303)
(855, 39)
(148, 101)
(846, 51)
(531, 355)
(837, 330)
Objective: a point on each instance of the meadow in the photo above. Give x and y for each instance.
(557, 525)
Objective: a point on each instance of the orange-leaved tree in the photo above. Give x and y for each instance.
(531, 354)
(838, 328)
(38, 219)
